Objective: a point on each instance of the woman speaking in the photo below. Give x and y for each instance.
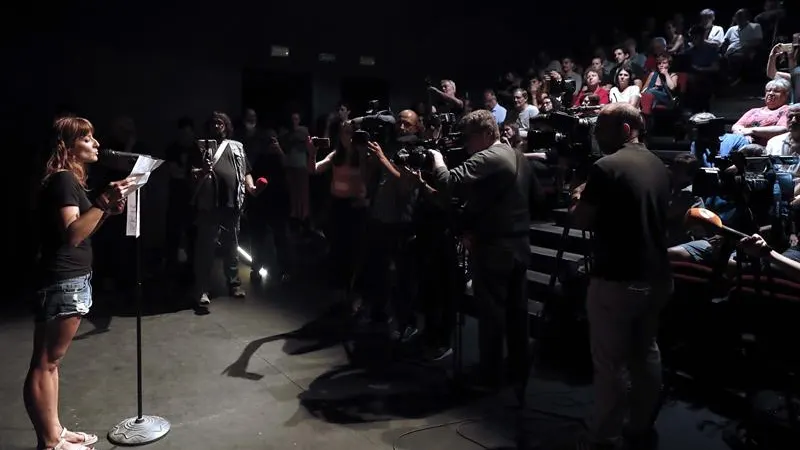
(67, 219)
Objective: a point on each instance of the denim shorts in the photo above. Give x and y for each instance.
(65, 298)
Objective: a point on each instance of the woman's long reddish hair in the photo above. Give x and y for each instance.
(66, 131)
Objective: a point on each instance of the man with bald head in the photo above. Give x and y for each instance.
(625, 202)
(389, 230)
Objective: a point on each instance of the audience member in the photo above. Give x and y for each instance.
(662, 84)
(624, 90)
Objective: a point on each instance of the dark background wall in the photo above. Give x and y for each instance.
(158, 61)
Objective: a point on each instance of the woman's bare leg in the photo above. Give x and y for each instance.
(51, 342)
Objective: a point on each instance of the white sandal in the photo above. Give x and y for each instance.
(88, 439)
(63, 442)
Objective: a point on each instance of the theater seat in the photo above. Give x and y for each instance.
(663, 119)
(692, 272)
(777, 288)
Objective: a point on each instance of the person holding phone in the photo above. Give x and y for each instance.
(68, 217)
(348, 189)
(793, 73)
(222, 177)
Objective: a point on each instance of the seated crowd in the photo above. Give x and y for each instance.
(688, 65)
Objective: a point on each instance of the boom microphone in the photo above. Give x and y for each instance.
(705, 217)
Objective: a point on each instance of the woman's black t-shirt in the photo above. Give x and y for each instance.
(58, 259)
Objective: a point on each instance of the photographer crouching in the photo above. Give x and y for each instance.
(494, 184)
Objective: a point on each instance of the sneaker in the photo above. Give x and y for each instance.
(238, 292)
(204, 300)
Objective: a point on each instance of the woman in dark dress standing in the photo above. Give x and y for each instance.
(67, 220)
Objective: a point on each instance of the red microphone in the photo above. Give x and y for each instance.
(261, 182)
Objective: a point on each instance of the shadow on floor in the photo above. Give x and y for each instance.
(348, 394)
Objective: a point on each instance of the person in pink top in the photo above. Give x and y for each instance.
(348, 211)
(761, 124)
(758, 125)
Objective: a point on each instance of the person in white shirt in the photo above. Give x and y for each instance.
(625, 90)
(744, 37)
(788, 144)
(742, 41)
(715, 35)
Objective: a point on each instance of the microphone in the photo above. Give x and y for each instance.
(108, 153)
(704, 217)
(261, 182)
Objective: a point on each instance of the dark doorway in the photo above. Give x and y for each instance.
(358, 92)
(275, 95)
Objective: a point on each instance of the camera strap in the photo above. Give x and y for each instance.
(220, 151)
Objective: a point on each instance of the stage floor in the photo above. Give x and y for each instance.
(233, 379)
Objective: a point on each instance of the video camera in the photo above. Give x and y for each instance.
(375, 125)
(437, 120)
(418, 157)
(568, 134)
(756, 176)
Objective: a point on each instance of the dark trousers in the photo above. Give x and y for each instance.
(388, 248)
(499, 282)
(178, 222)
(441, 285)
(217, 227)
(347, 228)
(269, 245)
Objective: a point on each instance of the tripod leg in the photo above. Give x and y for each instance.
(559, 257)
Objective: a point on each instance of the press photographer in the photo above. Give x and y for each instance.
(494, 185)
(390, 223)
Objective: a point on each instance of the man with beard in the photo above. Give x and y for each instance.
(222, 178)
(625, 202)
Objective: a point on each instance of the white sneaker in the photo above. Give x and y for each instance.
(204, 300)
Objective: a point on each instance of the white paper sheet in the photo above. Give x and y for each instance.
(144, 166)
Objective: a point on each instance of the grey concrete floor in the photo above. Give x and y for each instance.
(228, 380)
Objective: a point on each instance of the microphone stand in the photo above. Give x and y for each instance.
(142, 429)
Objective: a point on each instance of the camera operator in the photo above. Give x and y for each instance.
(494, 183)
(390, 230)
(624, 201)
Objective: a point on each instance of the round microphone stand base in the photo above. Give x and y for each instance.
(139, 430)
